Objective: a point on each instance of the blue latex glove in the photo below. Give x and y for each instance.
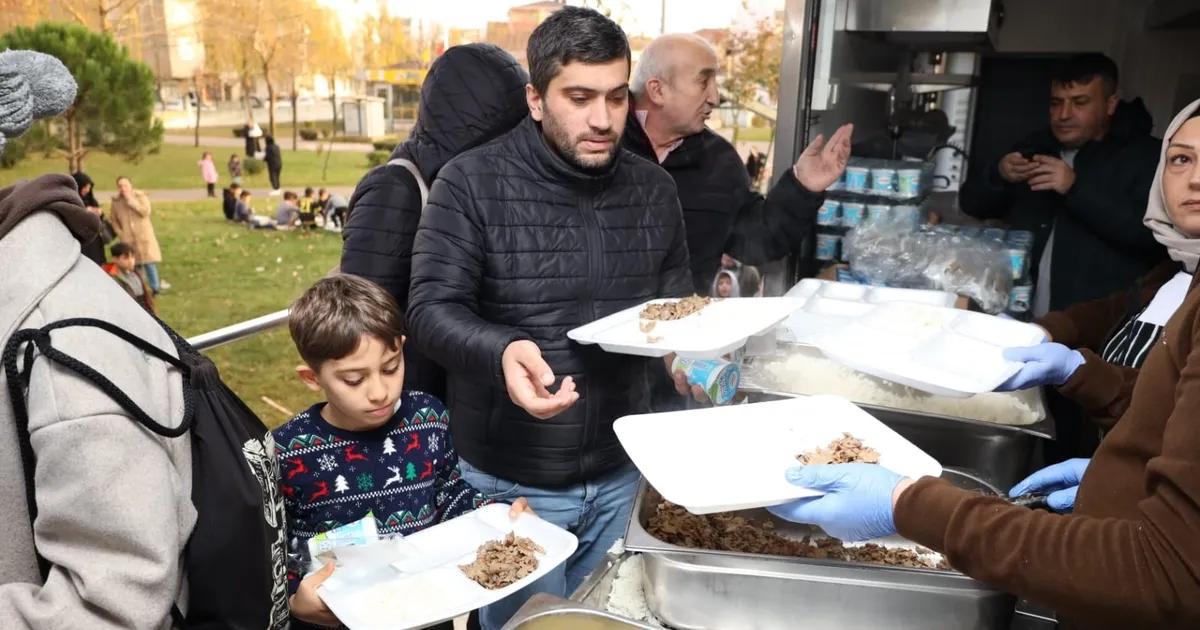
(857, 504)
(1047, 363)
(1060, 480)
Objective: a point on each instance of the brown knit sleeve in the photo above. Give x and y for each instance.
(1101, 388)
(1134, 573)
(1087, 324)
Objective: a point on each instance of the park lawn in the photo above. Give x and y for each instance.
(177, 167)
(212, 267)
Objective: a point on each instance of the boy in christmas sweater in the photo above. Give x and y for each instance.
(371, 448)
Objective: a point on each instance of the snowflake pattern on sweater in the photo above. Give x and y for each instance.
(405, 472)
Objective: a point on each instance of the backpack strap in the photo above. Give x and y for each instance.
(416, 173)
(18, 382)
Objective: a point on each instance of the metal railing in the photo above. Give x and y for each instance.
(240, 330)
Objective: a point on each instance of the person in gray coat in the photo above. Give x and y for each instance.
(114, 508)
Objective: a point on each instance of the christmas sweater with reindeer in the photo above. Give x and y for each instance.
(404, 472)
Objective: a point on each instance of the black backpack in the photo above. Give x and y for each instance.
(236, 559)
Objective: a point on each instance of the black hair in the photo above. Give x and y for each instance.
(308, 192)
(1084, 68)
(120, 249)
(572, 34)
(245, 193)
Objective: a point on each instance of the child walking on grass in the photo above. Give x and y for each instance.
(235, 169)
(208, 171)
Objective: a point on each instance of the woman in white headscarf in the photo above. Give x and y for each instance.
(1099, 346)
(1129, 555)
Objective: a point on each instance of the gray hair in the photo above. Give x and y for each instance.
(33, 85)
(657, 62)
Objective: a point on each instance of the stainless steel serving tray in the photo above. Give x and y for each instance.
(691, 589)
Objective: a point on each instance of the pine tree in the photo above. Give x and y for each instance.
(388, 447)
(410, 472)
(340, 484)
(114, 103)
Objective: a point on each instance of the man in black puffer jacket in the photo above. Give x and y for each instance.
(674, 90)
(548, 228)
(473, 94)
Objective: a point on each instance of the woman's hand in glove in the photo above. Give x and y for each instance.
(1044, 364)
(1060, 480)
(857, 504)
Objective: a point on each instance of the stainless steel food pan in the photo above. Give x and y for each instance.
(690, 589)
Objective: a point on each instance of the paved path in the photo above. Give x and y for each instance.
(199, 194)
(284, 143)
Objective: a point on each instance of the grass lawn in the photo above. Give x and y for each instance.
(213, 270)
(176, 167)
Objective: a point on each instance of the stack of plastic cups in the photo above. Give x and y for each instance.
(830, 213)
(827, 246)
(883, 181)
(908, 183)
(856, 179)
(852, 213)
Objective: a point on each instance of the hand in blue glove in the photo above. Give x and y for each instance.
(1044, 364)
(1060, 480)
(857, 504)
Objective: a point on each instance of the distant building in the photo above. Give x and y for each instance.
(513, 35)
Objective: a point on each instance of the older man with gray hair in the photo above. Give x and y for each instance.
(674, 90)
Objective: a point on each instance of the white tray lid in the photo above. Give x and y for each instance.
(735, 457)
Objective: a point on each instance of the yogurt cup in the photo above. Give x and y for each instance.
(907, 216)
(856, 178)
(829, 213)
(1019, 256)
(718, 378)
(853, 213)
(879, 212)
(908, 182)
(827, 246)
(840, 184)
(1020, 298)
(883, 181)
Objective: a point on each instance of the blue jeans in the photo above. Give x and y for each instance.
(595, 511)
(151, 271)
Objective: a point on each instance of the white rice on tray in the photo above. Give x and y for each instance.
(807, 372)
(628, 596)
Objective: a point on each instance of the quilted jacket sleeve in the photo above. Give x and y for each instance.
(675, 280)
(378, 237)
(448, 261)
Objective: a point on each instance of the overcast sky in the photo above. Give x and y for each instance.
(637, 16)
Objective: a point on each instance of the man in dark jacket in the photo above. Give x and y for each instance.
(1081, 186)
(548, 228)
(472, 94)
(674, 90)
(274, 161)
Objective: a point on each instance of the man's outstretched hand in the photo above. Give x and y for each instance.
(527, 377)
(822, 163)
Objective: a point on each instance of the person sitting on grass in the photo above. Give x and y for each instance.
(244, 213)
(384, 451)
(333, 207)
(308, 209)
(125, 270)
(287, 215)
(229, 200)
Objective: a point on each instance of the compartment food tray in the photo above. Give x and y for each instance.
(416, 582)
(943, 351)
(829, 306)
(730, 458)
(719, 328)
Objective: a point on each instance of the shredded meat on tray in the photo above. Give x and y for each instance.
(499, 563)
(731, 532)
(675, 310)
(844, 450)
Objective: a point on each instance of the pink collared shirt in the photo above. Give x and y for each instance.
(660, 153)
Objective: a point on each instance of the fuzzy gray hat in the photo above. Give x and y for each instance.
(33, 85)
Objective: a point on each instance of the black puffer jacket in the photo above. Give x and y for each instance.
(724, 214)
(473, 94)
(516, 244)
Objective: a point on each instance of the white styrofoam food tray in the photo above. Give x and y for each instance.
(719, 328)
(943, 351)
(831, 305)
(730, 458)
(415, 582)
